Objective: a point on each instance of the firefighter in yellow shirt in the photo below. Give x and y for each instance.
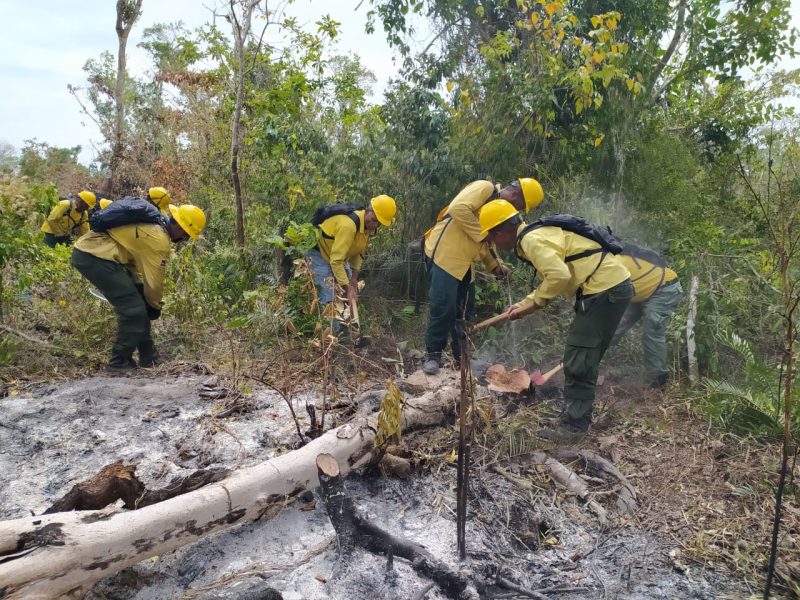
(341, 240)
(658, 294)
(127, 264)
(452, 245)
(568, 264)
(69, 218)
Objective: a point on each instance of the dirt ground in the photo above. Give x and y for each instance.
(695, 533)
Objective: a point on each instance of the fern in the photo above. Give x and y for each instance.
(734, 342)
(752, 406)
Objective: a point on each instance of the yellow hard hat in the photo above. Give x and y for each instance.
(105, 202)
(384, 208)
(494, 213)
(191, 218)
(87, 197)
(160, 197)
(532, 191)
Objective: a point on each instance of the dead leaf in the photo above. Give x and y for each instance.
(309, 507)
(607, 442)
(321, 578)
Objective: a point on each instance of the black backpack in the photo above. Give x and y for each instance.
(125, 211)
(609, 243)
(635, 251)
(331, 210)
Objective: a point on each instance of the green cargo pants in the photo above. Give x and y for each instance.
(52, 240)
(596, 320)
(655, 313)
(116, 284)
(452, 302)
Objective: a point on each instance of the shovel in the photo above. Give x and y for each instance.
(537, 378)
(489, 322)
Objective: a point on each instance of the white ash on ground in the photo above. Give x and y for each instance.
(63, 434)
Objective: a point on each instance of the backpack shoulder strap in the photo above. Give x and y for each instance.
(356, 220)
(353, 217)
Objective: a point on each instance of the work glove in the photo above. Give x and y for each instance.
(501, 272)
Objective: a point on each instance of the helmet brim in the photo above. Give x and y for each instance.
(179, 220)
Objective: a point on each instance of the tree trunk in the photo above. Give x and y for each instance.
(128, 12)
(237, 184)
(62, 554)
(691, 347)
(787, 447)
(241, 31)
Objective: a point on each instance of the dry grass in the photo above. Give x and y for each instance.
(709, 493)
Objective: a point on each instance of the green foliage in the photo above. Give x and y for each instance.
(8, 350)
(582, 95)
(21, 209)
(754, 404)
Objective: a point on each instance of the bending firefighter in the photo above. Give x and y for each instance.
(343, 231)
(127, 264)
(569, 264)
(69, 218)
(160, 198)
(451, 246)
(657, 295)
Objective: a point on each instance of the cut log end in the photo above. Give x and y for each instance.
(327, 465)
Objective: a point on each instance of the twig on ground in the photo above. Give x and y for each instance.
(27, 337)
(509, 585)
(285, 399)
(423, 592)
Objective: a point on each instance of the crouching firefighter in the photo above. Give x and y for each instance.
(572, 258)
(69, 218)
(451, 246)
(125, 257)
(658, 293)
(343, 232)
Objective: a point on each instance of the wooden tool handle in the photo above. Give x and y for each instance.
(552, 371)
(538, 379)
(489, 322)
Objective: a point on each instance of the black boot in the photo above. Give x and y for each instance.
(118, 364)
(569, 430)
(148, 355)
(659, 382)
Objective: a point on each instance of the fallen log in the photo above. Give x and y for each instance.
(61, 555)
(352, 529)
(626, 501)
(561, 474)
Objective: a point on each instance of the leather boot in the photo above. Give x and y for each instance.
(148, 355)
(118, 364)
(432, 364)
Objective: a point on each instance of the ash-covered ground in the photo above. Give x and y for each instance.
(58, 435)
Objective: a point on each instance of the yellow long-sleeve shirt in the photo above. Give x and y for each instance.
(339, 241)
(143, 249)
(457, 240)
(645, 276)
(548, 247)
(64, 218)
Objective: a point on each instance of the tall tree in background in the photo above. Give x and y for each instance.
(241, 25)
(128, 12)
(773, 185)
